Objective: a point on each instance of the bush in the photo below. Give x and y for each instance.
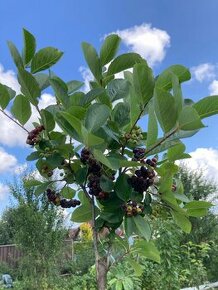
(83, 259)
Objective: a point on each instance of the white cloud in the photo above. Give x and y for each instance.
(148, 41)
(11, 134)
(204, 71)
(4, 190)
(8, 78)
(213, 87)
(8, 162)
(206, 160)
(87, 77)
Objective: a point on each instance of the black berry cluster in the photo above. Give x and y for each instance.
(87, 158)
(135, 136)
(143, 178)
(132, 208)
(151, 162)
(33, 136)
(139, 153)
(94, 187)
(63, 202)
(94, 174)
(85, 155)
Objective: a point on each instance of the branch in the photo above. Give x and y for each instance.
(13, 120)
(161, 141)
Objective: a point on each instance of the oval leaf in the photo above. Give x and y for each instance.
(21, 109)
(45, 58)
(109, 48)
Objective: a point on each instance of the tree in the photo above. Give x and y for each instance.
(36, 227)
(7, 227)
(116, 182)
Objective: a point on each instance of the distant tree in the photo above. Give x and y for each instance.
(7, 226)
(36, 227)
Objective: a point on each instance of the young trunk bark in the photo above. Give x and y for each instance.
(101, 271)
(101, 263)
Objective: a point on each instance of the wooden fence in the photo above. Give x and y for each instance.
(10, 254)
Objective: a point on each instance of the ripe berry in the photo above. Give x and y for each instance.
(33, 136)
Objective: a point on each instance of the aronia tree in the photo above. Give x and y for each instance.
(112, 171)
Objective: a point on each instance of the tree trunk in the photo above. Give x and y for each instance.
(101, 271)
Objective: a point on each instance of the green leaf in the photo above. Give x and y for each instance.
(142, 226)
(198, 212)
(143, 81)
(74, 86)
(175, 152)
(138, 269)
(121, 114)
(148, 250)
(177, 93)
(91, 96)
(73, 121)
(182, 221)
(106, 183)
(42, 188)
(77, 111)
(129, 226)
(92, 60)
(33, 156)
(21, 109)
(42, 80)
(45, 58)
(207, 106)
(102, 158)
(67, 192)
(29, 86)
(163, 147)
(152, 127)
(77, 98)
(123, 62)
(4, 96)
(118, 89)
(47, 120)
(122, 187)
(164, 103)
(112, 216)
(189, 119)
(96, 116)
(29, 46)
(167, 170)
(198, 205)
(90, 139)
(15, 55)
(164, 80)
(82, 213)
(60, 90)
(81, 175)
(109, 48)
(31, 182)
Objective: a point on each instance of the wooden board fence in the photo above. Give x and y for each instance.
(10, 254)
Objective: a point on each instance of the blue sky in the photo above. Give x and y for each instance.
(167, 31)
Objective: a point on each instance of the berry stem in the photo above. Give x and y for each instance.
(13, 120)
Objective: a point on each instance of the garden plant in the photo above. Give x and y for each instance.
(113, 172)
